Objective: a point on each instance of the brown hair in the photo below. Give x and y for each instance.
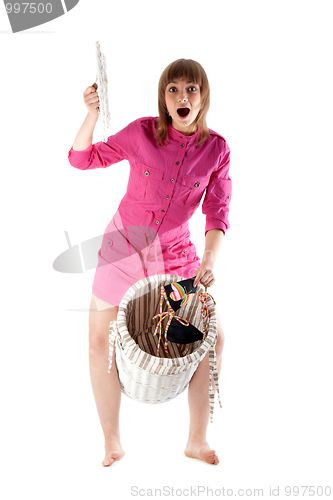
(191, 71)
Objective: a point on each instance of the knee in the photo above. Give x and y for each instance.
(98, 342)
(99, 325)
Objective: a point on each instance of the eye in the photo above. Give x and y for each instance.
(172, 89)
(192, 88)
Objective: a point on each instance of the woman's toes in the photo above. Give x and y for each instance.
(202, 452)
(112, 456)
(108, 461)
(210, 457)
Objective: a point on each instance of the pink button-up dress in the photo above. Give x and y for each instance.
(149, 233)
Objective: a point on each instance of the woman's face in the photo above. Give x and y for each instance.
(183, 101)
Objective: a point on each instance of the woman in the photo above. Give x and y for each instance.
(174, 159)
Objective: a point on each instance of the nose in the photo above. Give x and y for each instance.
(183, 97)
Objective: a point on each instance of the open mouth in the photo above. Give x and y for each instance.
(183, 112)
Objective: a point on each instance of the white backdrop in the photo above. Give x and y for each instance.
(269, 66)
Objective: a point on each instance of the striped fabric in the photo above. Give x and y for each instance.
(144, 376)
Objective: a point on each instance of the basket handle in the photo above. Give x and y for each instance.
(213, 373)
(203, 296)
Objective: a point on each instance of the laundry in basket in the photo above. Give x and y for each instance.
(179, 330)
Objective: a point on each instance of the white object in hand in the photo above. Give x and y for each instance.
(102, 81)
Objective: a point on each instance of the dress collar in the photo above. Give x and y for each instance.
(174, 134)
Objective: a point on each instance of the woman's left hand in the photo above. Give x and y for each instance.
(205, 275)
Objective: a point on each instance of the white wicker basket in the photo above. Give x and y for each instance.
(144, 376)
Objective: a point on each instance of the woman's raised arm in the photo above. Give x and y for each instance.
(84, 136)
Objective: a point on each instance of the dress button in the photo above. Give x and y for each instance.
(185, 251)
(146, 172)
(163, 211)
(197, 184)
(228, 197)
(167, 197)
(172, 180)
(177, 162)
(110, 242)
(150, 237)
(183, 145)
(157, 222)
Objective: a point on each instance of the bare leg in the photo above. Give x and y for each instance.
(106, 387)
(198, 400)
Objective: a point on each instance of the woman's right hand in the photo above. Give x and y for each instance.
(91, 100)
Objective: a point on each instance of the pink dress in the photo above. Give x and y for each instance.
(149, 233)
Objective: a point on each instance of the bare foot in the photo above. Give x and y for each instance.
(113, 453)
(202, 451)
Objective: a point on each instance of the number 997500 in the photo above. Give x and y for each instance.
(30, 8)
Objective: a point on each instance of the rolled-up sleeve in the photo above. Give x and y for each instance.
(218, 195)
(118, 147)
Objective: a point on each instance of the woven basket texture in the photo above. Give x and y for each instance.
(143, 375)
